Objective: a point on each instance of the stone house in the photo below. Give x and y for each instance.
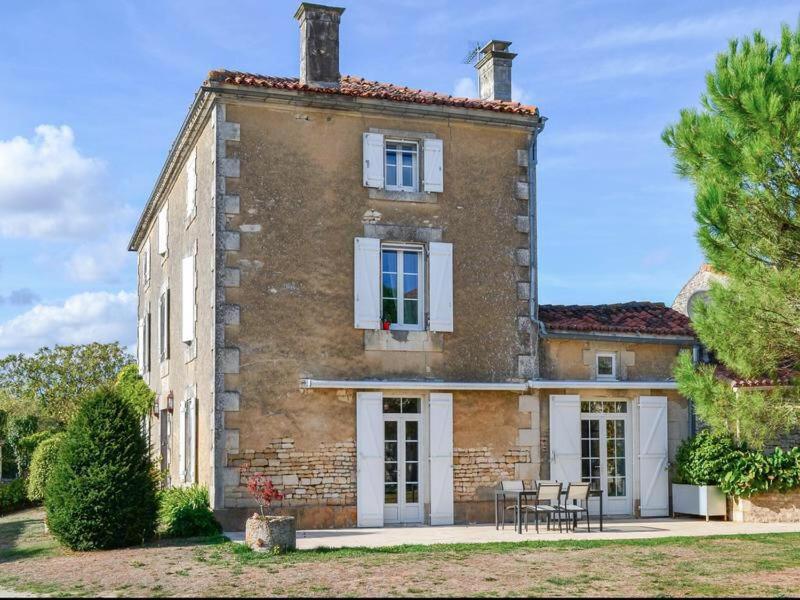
(337, 287)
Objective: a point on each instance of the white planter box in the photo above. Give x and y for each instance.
(703, 500)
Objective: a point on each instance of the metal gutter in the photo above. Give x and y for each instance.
(367, 384)
(532, 217)
(541, 384)
(614, 337)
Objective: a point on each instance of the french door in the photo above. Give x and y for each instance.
(402, 429)
(605, 452)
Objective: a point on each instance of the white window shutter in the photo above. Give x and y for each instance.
(191, 436)
(373, 160)
(146, 262)
(369, 461)
(441, 285)
(367, 276)
(653, 452)
(162, 231)
(191, 182)
(187, 299)
(441, 458)
(182, 441)
(565, 438)
(433, 180)
(140, 347)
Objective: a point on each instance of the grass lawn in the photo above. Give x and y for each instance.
(747, 565)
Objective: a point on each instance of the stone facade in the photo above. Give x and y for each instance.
(771, 507)
(477, 469)
(325, 476)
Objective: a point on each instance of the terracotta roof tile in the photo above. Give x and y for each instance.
(784, 376)
(364, 88)
(631, 317)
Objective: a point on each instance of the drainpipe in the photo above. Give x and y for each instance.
(532, 235)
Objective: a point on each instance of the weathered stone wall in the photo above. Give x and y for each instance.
(476, 469)
(771, 507)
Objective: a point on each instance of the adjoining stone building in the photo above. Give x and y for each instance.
(337, 287)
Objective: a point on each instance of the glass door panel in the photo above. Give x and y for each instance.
(604, 451)
(402, 463)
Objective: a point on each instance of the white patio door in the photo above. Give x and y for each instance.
(605, 453)
(653, 465)
(403, 451)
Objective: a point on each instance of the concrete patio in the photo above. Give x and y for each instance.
(613, 529)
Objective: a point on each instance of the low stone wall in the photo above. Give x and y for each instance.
(771, 507)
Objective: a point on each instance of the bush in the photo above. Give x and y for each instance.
(705, 458)
(186, 512)
(753, 472)
(42, 461)
(101, 492)
(13, 496)
(131, 387)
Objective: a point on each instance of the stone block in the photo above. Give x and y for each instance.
(529, 404)
(522, 157)
(228, 401)
(522, 190)
(231, 204)
(523, 290)
(229, 167)
(522, 223)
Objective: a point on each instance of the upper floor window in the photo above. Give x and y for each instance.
(402, 166)
(163, 324)
(606, 363)
(401, 284)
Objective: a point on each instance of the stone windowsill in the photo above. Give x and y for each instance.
(423, 197)
(403, 341)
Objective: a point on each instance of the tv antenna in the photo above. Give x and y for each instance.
(472, 54)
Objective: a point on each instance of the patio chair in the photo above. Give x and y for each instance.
(575, 503)
(511, 485)
(548, 497)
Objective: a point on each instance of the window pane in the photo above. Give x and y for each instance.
(390, 310)
(390, 261)
(412, 431)
(410, 286)
(412, 495)
(605, 365)
(411, 472)
(408, 159)
(410, 262)
(584, 427)
(585, 407)
(408, 177)
(390, 451)
(411, 451)
(390, 146)
(391, 405)
(389, 285)
(391, 493)
(410, 312)
(390, 472)
(411, 405)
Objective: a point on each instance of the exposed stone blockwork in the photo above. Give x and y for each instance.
(476, 468)
(772, 507)
(326, 476)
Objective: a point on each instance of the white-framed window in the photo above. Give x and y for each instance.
(163, 231)
(163, 324)
(402, 285)
(402, 166)
(145, 261)
(606, 365)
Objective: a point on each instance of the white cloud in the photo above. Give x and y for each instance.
(465, 88)
(82, 318)
(48, 189)
(104, 261)
(738, 20)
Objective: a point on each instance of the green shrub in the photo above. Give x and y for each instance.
(131, 387)
(101, 492)
(705, 458)
(44, 457)
(753, 472)
(13, 496)
(186, 512)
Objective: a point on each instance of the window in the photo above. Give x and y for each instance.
(163, 324)
(606, 363)
(402, 166)
(162, 231)
(191, 184)
(401, 285)
(145, 259)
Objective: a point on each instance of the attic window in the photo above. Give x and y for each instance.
(606, 363)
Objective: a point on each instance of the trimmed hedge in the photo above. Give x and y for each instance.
(186, 512)
(42, 461)
(101, 492)
(13, 496)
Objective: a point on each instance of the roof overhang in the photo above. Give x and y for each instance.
(514, 386)
(626, 337)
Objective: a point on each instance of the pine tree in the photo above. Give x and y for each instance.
(741, 150)
(101, 492)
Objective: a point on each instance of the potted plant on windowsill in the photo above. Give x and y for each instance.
(700, 464)
(386, 323)
(265, 532)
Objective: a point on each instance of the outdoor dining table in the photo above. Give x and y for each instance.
(520, 494)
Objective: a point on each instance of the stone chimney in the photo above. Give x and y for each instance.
(494, 71)
(319, 44)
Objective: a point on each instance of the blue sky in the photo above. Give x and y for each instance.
(94, 92)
